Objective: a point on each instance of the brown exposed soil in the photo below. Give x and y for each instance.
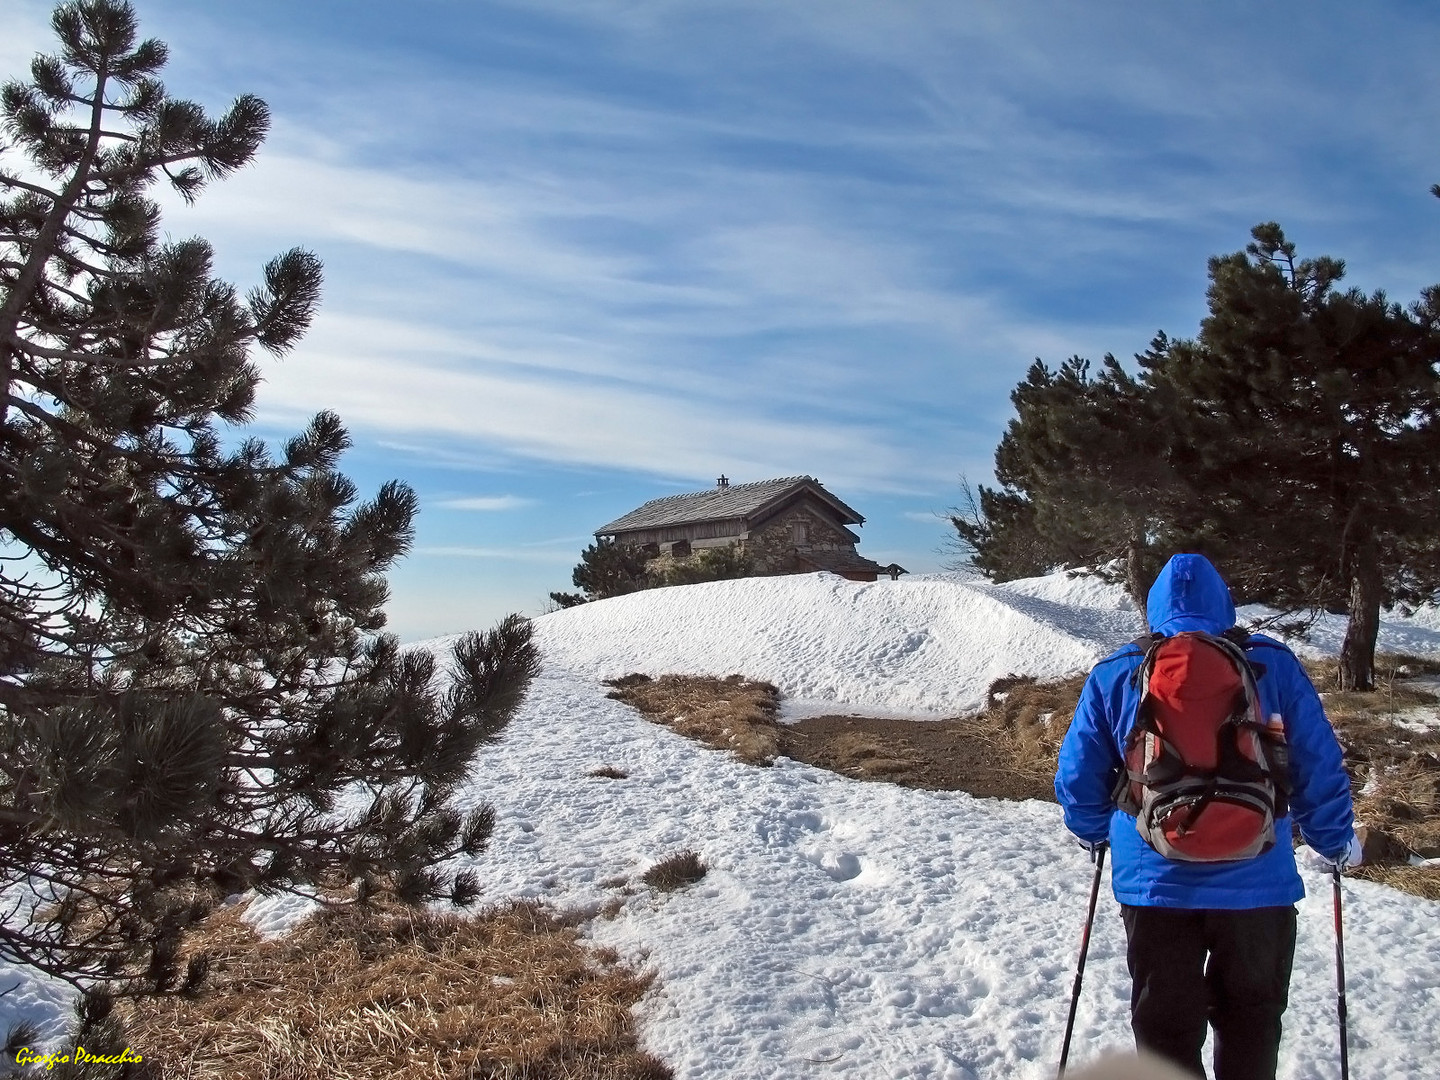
(1006, 752)
(938, 755)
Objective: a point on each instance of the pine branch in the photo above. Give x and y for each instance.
(161, 359)
(8, 181)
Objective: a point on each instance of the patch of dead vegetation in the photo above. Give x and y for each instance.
(1006, 752)
(733, 713)
(1395, 775)
(864, 753)
(1027, 720)
(936, 755)
(1392, 674)
(1420, 881)
(1394, 768)
(364, 993)
(675, 871)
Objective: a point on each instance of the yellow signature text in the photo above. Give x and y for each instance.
(80, 1056)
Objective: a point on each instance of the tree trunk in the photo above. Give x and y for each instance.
(42, 248)
(1135, 583)
(1357, 655)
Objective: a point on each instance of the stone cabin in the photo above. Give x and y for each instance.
(788, 526)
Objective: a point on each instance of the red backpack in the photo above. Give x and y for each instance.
(1205, 775)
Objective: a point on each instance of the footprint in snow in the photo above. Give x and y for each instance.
(842, 866)
(938, 998)
(784, 829)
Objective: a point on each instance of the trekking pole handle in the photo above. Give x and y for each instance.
(1080, 968)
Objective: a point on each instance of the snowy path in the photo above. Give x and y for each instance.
(863, 930)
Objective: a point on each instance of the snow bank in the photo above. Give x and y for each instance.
(927, 647)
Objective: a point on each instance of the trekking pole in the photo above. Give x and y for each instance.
(1080, 969)
(1340, 983)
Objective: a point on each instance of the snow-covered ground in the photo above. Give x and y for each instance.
(861, 930)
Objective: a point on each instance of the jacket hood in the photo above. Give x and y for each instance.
(1189, 594)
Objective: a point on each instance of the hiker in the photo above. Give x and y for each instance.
(1210, 930)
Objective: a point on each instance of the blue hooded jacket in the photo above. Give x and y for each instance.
(1189, 594)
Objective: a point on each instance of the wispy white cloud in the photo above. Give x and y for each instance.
(484, 503)
(562, 541)
(517, 554)
(653, 357)
(570, 422)
(666, 239)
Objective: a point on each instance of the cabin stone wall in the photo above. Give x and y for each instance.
(774, 545)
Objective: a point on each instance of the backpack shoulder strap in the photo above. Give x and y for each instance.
(1148, 644)
(1239, 635)
(1243, 640)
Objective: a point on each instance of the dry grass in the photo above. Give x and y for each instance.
(1027, 719)
(608, 772)
(1394, 770)
(1415, 880)
(1391, 672)
(674, 871)
(734, 713)
(360, 994)
(1396, 778)
(860, 753)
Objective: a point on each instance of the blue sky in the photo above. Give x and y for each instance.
(584, 254)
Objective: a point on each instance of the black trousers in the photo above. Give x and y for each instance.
(1231, 968)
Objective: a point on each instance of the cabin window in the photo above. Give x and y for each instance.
(800, 532)
(680, 549)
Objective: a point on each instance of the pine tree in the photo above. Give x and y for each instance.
(724, 563)
(1084, 479)
(607, 568)
(195, 698)
(612, 568)
(1311, 416)
(995, 534)
(1296, 441)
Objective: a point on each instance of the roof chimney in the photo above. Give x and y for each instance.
(723, 482)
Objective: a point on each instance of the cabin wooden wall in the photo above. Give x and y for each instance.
(733, 529)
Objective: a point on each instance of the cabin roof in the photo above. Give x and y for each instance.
(746, 502)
